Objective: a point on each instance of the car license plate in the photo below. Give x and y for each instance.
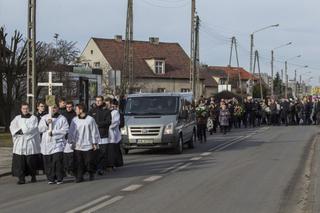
(145, 141)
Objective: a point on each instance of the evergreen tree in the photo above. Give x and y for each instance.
(277, 85)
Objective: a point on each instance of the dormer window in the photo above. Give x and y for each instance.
(159, 67)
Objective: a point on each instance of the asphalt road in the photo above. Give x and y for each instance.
(248, 170)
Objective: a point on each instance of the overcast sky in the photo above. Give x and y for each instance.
(78, 20)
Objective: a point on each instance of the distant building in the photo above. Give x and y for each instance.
(220, 75)
(266, 78)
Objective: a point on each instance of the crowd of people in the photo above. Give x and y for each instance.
(71, 141)
(232, 113)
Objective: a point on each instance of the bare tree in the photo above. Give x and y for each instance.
(12, 71)
(13, 68)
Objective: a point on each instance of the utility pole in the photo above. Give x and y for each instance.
(235, 47)
(192, 49)
(300, 87)
(197, 58)
(282, 82)
(251, 52)
(257, 60)
(127, 75)
(230, 59)
(31, 55)
(286, 75)
(295, 84)
(272, 65)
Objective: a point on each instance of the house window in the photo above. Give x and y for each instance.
(97, 64)
(91, 52)
(222, 81)
(161, 90)
(159, 67)
(185, 90)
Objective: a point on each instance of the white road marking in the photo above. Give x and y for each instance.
(181, 167)
(89, 204)
(195, 158)
(132, 188)
(206, 154)
(104, 204)
(152, 178)
(171, 167)
(230, 144)
(221, 145)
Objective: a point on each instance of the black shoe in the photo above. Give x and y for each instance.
(20, 182)
(33, 179)
(91, 177)
(79, 180)
(100, 172)
(59, 182)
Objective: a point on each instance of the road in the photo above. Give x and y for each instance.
(246, 171)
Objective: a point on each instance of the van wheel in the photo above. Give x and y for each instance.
(179, 147)
(192, 140)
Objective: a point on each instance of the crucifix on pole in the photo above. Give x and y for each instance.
(50, 99)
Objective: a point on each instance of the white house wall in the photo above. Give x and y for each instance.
(96, 56)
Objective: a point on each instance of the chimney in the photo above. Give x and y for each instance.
(154, 40)
(118, 38)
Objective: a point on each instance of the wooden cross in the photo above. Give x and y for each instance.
(50, 86)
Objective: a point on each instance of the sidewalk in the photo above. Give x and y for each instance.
(5, 160)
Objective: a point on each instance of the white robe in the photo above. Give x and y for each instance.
(55, 143)
(114, 131)
(29, 142)
(83, 133)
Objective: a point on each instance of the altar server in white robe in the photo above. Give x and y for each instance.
(26, 145)
(53, 144)
(114, 153)
(85, 137)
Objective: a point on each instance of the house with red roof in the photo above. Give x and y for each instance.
(220, 75)
(157, 66)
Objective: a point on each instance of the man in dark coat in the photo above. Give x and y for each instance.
(285, 106)
(69, 113)
(62, 106)
(41, 110)
(68, 154)
(102, 116)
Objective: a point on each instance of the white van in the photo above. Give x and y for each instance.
(159, 120)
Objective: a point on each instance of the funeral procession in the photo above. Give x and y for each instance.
(159, 106)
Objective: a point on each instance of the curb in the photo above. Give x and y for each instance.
(5, 174)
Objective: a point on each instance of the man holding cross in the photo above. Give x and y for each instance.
(52, 144)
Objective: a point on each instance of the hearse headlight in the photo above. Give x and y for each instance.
(124, 131)
(168, 130)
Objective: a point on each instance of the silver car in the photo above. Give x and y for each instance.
(159, 120)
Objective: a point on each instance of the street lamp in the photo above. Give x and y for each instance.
(272, 64)
(252, 42)
(300, 87)
(286, 73)
(295, 79)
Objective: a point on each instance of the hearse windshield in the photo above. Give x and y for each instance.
(152, 105)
